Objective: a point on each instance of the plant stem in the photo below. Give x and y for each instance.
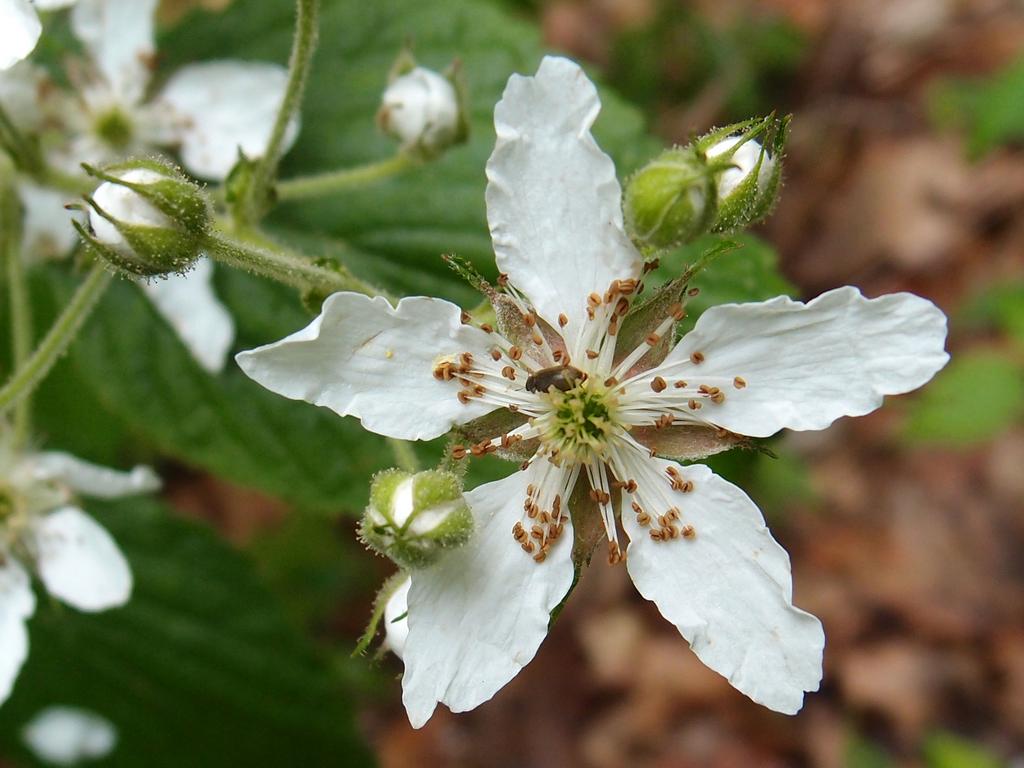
(17, 290)
(283, 266)
(328, 183)
(303, 46)
(405, 456)
(28, 376)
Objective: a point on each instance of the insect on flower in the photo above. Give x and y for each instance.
(602, 445)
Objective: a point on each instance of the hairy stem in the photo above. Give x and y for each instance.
(17, 291)
(28, 375)
(322, 184)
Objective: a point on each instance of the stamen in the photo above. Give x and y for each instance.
(739, 382)
(562, 321)
(658, 384)
(697, 358)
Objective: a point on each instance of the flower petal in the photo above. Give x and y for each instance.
(221, 107)
(189, 305)
(80, 563)
(17, 604)
(553, 200)
(363, 358)
(479, 615)
(728, 590)
(803, 366)
(48, 232)
(119, 36)
(19, 31)
(91, 479)
(69, 736)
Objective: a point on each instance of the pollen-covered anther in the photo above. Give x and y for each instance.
(697, 358)
(515, 353)
(593, 301)
(458, 452)
(465, 317)
(487, 328)
(676, 311)
(718, 398)
(591, 354)
(537, 339)
(658, 384)
(622, 307)
(652, 339)
(615, 553)
(694, 405)
(613, 325)
(627, 287)
(693, 292)
(443, 371)
(651, 265)
(680, 384)
(529, 320)
(665, 420)
(739, 382)
(502, 280)
(509, 372)
(495, 354)
(562, 320)
(689, 532)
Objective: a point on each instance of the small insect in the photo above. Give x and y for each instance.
(563, 377)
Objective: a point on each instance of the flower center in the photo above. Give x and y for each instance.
(114, 128)
(581, 421)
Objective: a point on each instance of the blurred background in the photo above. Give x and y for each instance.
(904, 171)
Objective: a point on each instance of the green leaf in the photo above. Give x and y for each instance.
(862, 753)
(946, 750)
(990, 111)
(999, 307)
(200, 669)
(977, 396)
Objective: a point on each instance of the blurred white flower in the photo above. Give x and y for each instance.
(20, 27)
(42, 529)
(421, 109)
(588, 413)
(69, 736)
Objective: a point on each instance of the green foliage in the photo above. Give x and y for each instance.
(989, 111)
(1000, 308)
(862, 753)
(200, 669)
(977, 396)
(946, 750)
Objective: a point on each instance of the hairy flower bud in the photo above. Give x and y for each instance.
(413, 518)
(666, 201)
(423, 109)
(146, 218)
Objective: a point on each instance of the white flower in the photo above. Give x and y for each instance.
(69, 736)
(20, 27)
(421, 109)
(698, 546)
(40, 527)
(208, 112)
(396, 624)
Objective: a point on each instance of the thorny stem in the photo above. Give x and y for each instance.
(328, 183)
(28, 376)
(283, 266)
(405, 456)
(303, 46)
(17, 289)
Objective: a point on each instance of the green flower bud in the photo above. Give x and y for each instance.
(667, 201)
(425, 110)
(745, 162)
(146, 218)
(412, 519)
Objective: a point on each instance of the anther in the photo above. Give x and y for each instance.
(465, 318)
(651, 265)
(627, 287)
(594, 300)
(458, 452)
(652, 339)
(502, 279)
(495, 355)
(622, 306)
(487, 328)
(693, 292)
(718, 398)
(509, 372)
(541, 556)
(613, 325)
(611, 381)
(529, 320)
(615, 555)
(537, 532)
(515, 353)
(665, 420)
(591, 354)
(739, 382)
(680, 384)
(562, 321)
(689, 532)
(631, 486)
(658, 384)
(464, 396)
(694, 405)
(557, 355)
(697, 358)
(537, 339)
(676, 311)
(513, 407)
(466, 359)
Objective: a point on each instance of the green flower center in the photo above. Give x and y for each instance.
(581, 420)
(115, 128)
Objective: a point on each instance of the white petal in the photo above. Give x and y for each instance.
(805, 365)
(19, 31)
(729, 591)
(17, 604)
(396, 624)
(553, 200)
(363, 358)
(479, 615)
(91, 479)
(68, 736)
(190, 307)
(119, 36)
(21, 94)
(80, 563)
(47, 225)
(220, 107)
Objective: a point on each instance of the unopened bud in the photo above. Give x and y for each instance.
(412, 519)
(666, 201)
(744, 160)
(396, 622)
(146, 218)
(423, 109)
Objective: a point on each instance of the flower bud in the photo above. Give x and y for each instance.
(146, 218)
(423, 109)
(744, 159)
(666, 201)
(412, 519)
(396, 624)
